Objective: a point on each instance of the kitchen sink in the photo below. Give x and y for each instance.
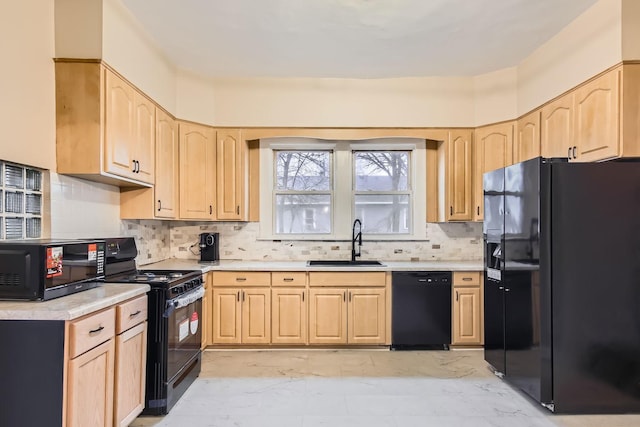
(342, 263)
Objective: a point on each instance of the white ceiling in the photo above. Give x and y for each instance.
(351, 38)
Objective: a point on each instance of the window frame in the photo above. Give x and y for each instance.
(342, 200)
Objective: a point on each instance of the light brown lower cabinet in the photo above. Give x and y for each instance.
(107, 364)
(289, 315)
(241, 315)
(131, 361)
(90, 387)
(467, 309)
(347, 316)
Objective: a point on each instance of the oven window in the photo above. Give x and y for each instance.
(185, 336)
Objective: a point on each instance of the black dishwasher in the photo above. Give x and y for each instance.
(421, 310)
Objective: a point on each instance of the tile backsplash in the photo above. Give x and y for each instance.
(239, 240)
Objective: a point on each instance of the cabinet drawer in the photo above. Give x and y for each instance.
(285, 278)
(466, 278)
(241, 278)
(130, 313)
(91, 331)
(347, 278)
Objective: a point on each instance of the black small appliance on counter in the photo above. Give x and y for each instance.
(209, 247)
(174, 336)
(44, 269)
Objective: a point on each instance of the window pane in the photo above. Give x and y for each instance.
(381, 170)
(303, 170)
(303, 213)
(383, 214)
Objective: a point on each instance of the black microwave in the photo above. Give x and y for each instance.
(45, 269)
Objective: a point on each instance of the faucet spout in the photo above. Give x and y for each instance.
(355, 237)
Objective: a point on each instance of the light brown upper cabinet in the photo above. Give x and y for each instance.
(105, 128)
(556, 127)
(597, 120)
(494, 150)
(527, 143)
(455, 176)
(231, 182)
(197, 171)
(161, 201)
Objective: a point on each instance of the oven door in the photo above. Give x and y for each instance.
(185, 331)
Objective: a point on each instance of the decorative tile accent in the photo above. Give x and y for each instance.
(444, 241)
(152, 239)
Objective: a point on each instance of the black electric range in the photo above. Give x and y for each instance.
(174, 335)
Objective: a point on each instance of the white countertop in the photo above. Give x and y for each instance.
(72, 306)
(228, 265)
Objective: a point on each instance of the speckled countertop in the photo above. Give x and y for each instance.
(72, 306)
(226, 265)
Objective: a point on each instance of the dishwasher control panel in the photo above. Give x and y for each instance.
(422, 277)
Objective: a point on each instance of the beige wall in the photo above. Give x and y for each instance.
(78, 28)
(495, 97)
(412, 102)
(129, 49)
(587, 46)
(630, 29)
(27, 100)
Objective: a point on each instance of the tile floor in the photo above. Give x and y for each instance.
(359, 388)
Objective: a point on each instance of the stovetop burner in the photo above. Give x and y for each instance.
(164, 278)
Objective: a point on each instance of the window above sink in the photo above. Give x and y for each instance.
(313, 189)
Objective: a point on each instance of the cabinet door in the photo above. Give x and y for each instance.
(556, 123)
(131, 362)
(256, 315)
(458, 177)
(90, 387)
(597, 125)
(143, 143)
(230, 168)
(197, 172)
(466, 316)
(166, 187)
(289, 316)
(227, 316)
(527, 144)
(494, 150)
(118, 130)
(367, 319)
(327, 316)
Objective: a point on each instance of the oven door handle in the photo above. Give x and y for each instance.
(183, 301)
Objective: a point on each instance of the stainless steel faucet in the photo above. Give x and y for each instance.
(355, 237)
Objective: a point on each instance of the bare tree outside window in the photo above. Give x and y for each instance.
(302, 191)
(382, 191)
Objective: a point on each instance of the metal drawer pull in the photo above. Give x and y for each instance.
(241, 279)
(467, 279)
(95, 331)
(135, 314)
(288, 279)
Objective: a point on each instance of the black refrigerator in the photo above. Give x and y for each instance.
(562, 282)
